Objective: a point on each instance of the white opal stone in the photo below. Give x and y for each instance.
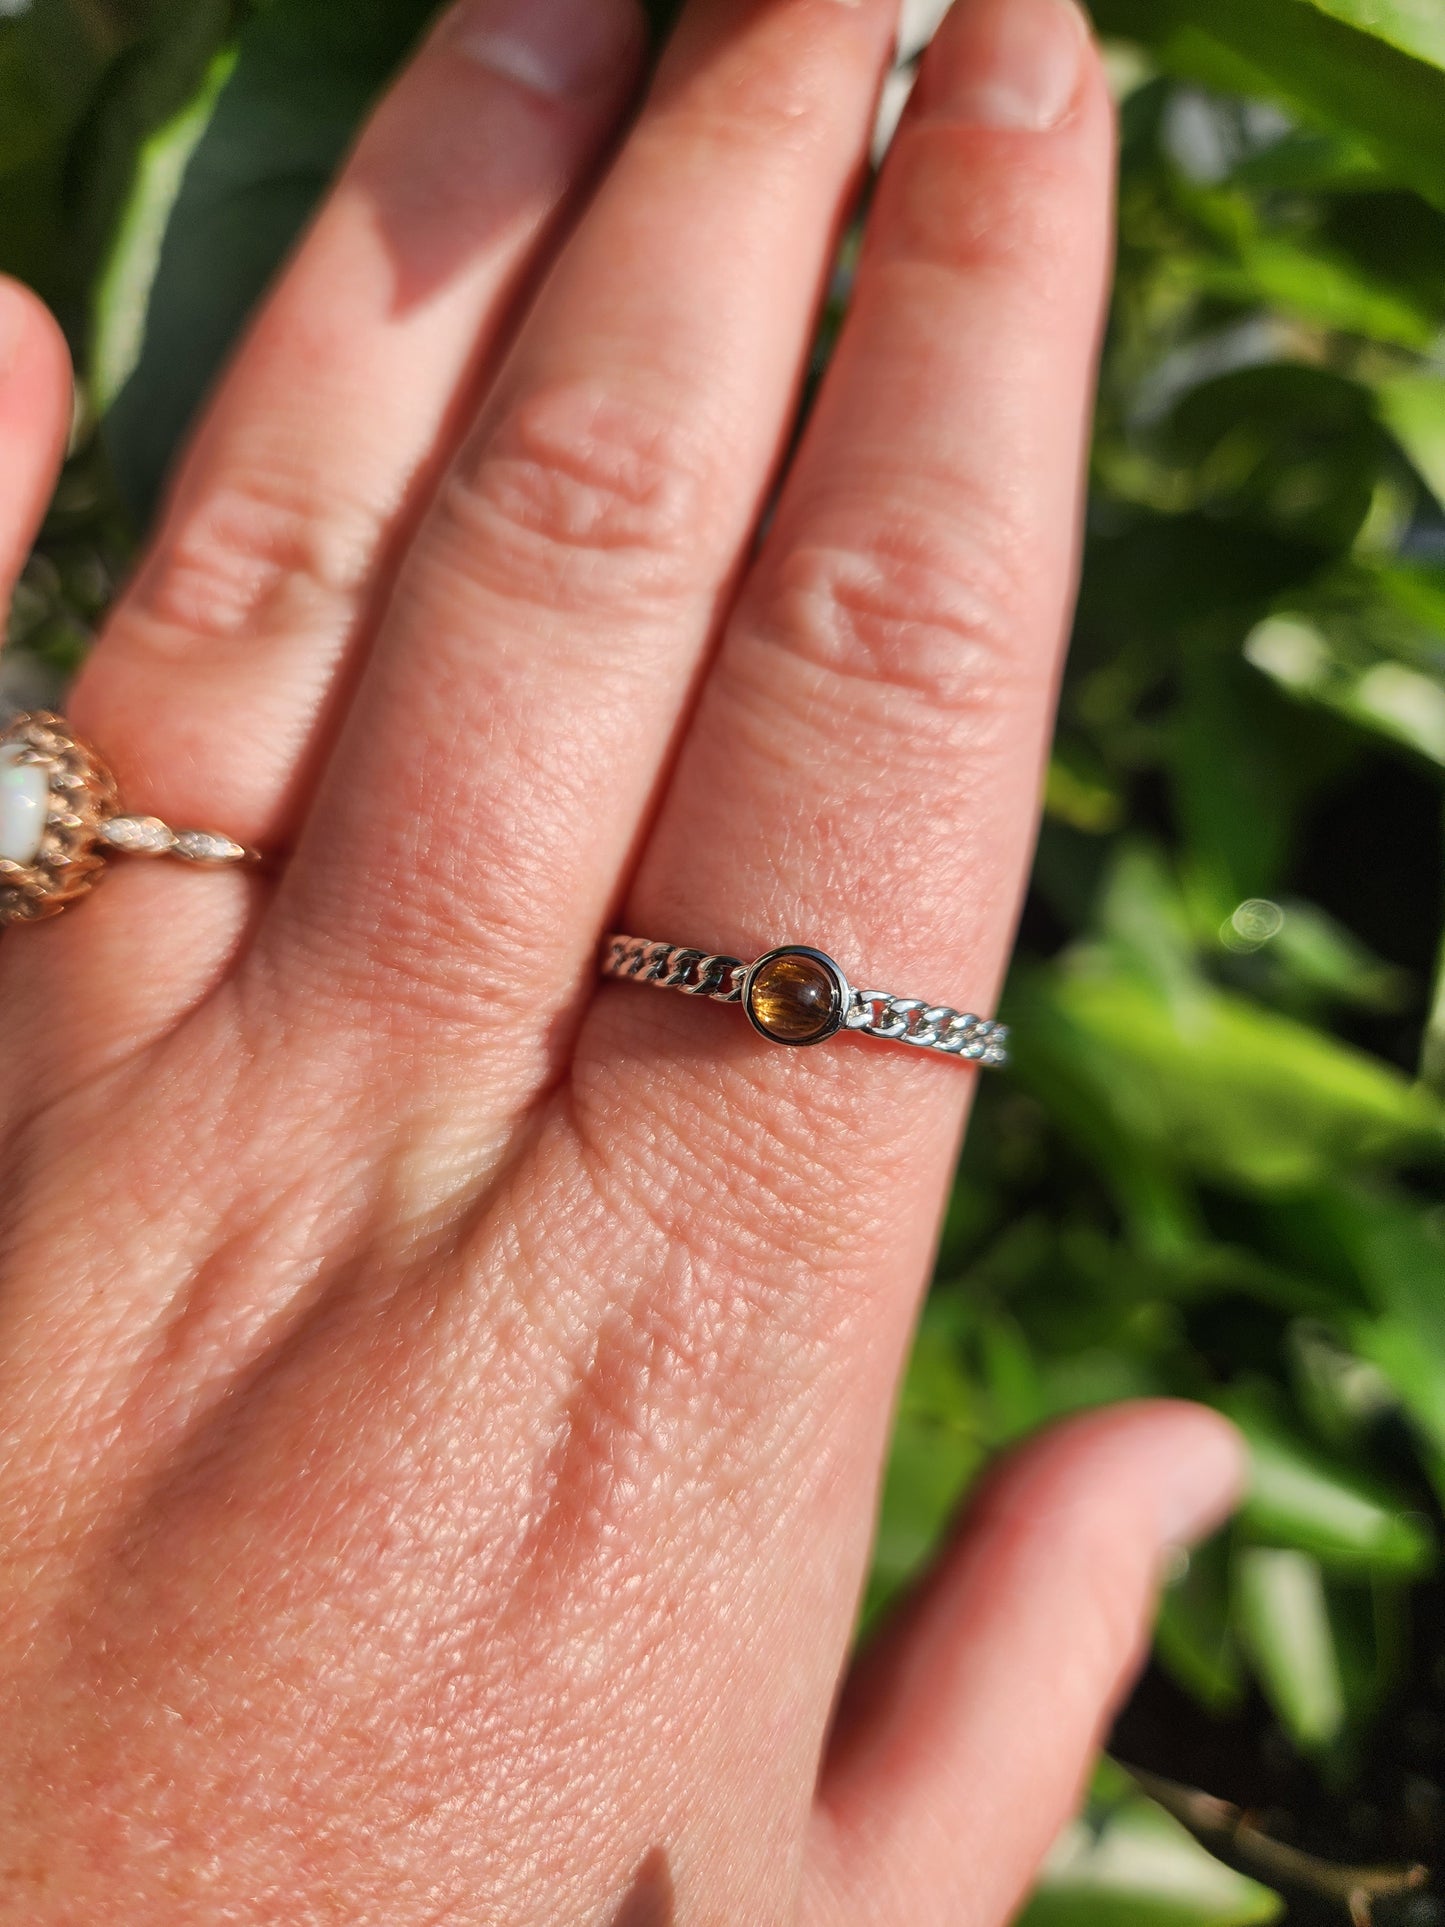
(24, 805)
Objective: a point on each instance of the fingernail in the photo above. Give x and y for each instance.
(1012, 64)
(1202, 1472)
(553, 47)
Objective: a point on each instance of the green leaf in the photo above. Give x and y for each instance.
(1306, 158)
(1008, 1378)
(1383, 696)
(1139, 1868)
(1300, 1497)
(1163, 577)
(1284, 1622)
(1080, 793)
(54, 56)
(1327, 290)
(1213, 1083)
(1414, 26)
(1320, 957)
(154, 85)
(1194, 1636)
(1398, 1253)
(929, 1469)
(1285, 447)
(1341, 1395)
(1413, 408)
(122, 296)
(1432, 1050)
(304, 73)
(1393, 237)
(1143, 920)
(1371, 1629)
(937, 1449)
(1236, 784)
(1367, 641)
(1370, 68)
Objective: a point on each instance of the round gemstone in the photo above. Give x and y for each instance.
(794, 998)
(24, 805)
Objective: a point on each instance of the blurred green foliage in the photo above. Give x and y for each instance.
(1217, 1169)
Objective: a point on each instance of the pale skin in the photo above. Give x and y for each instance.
(444, 1399)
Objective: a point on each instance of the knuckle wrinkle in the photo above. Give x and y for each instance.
(609, 486)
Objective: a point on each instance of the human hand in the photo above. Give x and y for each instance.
(444, 1398)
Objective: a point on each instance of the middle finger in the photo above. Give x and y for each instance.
(508, 735)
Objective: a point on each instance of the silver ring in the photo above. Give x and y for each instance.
(796, 995)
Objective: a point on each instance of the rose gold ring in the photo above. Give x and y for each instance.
(60, 819)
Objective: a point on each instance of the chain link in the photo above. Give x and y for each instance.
(671, 967)
(909, 1020)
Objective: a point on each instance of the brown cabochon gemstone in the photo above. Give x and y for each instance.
(794, 999)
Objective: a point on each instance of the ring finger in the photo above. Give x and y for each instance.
(863, 772)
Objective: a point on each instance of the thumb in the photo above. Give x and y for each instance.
(965, 1735)
(34, 422)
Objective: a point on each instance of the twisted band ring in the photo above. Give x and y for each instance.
(60, 819)
(797, 995)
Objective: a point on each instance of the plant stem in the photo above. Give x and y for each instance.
(1218, 1822)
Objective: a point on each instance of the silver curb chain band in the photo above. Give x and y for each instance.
(875, 1013)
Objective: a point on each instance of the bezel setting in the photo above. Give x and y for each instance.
(82, 795)
(843, 995)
